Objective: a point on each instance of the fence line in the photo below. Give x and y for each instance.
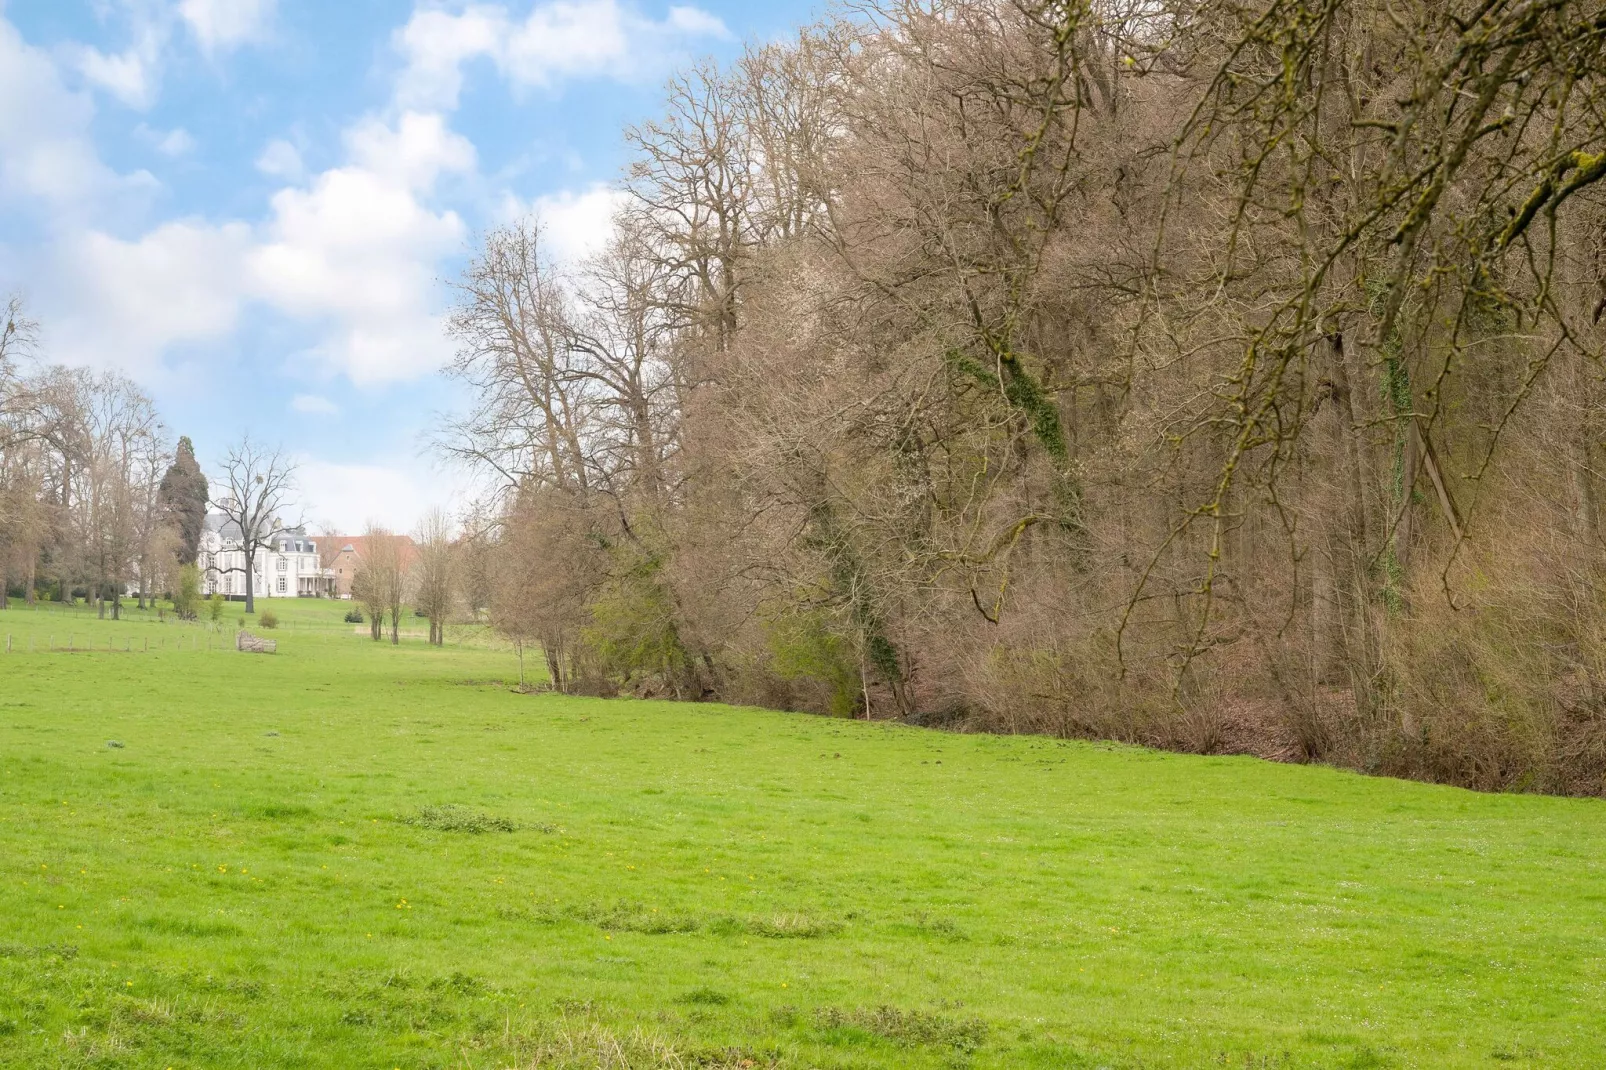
(191, 643)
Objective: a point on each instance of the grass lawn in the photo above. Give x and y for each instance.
(354, 855)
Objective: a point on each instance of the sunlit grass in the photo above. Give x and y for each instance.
(353, 855)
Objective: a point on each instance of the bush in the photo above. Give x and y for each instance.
(267, 619)
(354, 616)
(215, 607)
(187, 598)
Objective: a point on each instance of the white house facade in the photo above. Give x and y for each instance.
(288, 568)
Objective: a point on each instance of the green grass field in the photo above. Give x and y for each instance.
(353, 855)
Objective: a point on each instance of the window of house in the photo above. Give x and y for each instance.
(282, 585)
(284, 563)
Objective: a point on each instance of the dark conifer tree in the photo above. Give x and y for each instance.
(183, 500)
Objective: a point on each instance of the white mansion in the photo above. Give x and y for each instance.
(289, 568)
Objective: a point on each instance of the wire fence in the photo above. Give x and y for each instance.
(57, 627)
(194, 641)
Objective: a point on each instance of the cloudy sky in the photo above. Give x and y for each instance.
(252, 207)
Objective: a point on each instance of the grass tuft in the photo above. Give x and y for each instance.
(450, 817)
(793, 927)
(907, 1027)
(703, 996)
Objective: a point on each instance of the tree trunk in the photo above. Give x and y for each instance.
(250, 592)
(554, 663)
(1353, 558)
(1586, 496)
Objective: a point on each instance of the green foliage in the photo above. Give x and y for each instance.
(187, 595)
(1026, 396)
(803, 646)
(182, 498)
(267, 619)
(1397, 396)
(353, 616)
(850, 583)
(214, 606)
(632, 633)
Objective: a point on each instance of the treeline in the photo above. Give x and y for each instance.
(1215, 375)
(94, 500)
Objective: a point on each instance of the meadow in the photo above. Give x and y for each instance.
(349, 854)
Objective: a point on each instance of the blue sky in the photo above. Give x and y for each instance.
(252, 207)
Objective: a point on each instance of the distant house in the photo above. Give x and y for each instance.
(289, 568)
(342, 556)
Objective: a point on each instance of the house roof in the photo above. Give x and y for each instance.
(229, 531)
(334, 545)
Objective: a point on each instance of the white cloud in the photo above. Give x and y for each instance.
(575, 225)
(280, 159)
(413, 152)
(357, 250)
(353, 252)
(558, 39)
(697, 22)
(314, 405)
(176, 142)
(349, 496)
(44, 129)
(132, 76)
(129, 301)
(224, 24)
(437, 44)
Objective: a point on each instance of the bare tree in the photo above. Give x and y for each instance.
(254, 487)
(434, 575)
(1092, 367)
(381, 580)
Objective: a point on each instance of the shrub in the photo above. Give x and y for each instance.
(354, 615)
(805, 649)
(266, 619)
(187, 598)
(632, 633)
(215, 607)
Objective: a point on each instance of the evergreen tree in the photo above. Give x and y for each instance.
(183, 500)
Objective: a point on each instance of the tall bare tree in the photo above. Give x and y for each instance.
(1088, 366)
(434, 576)
(253, 489)
(382, 580)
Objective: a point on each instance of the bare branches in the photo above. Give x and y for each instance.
(1040, 357)
(252, 489)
